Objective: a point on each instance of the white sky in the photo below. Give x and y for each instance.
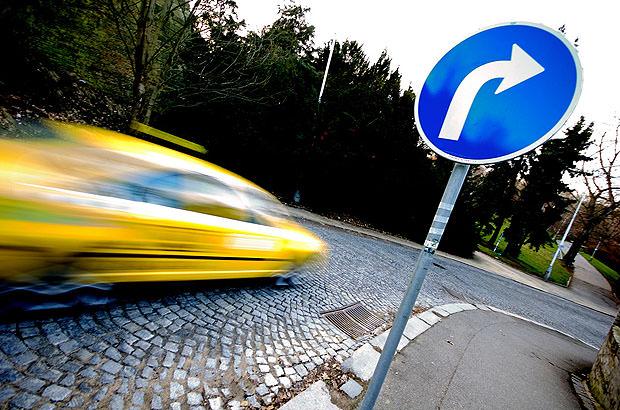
(416, 34)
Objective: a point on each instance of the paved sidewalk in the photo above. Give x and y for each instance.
(485, 360)
(582, 293)
(587, 296)
(590, 283)
(586, 272)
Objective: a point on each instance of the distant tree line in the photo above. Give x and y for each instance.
(193, 68)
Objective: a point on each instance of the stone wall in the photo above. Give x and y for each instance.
(604, 379)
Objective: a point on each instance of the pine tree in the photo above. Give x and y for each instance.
(543, 198)
(493, 196)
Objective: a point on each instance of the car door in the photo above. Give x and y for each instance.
(184, 226)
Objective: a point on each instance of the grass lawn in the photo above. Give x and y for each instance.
(611, 275)
(532, 261)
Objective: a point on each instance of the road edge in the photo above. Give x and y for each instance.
(312, 217)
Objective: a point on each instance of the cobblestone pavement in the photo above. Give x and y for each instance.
(235, 344)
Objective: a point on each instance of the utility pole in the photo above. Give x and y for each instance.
(329, 61)
(557, 251)
(595, 249)
(297, 194)
(498, 241)
(557, 231)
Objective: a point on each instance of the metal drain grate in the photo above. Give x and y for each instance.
(354, 320)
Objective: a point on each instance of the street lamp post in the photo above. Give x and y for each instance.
(329, 61)
(595, 249)
(498, 241)
(297, 194)
(557, 251)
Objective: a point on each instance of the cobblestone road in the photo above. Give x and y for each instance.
(228, 345)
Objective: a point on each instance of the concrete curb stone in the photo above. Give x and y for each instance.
(315, 397)
(415, 327)
(440, 312)
(352, 388)
(429, 317)
(379, 341)
(363, 361)
(482, 307)
(457, 307)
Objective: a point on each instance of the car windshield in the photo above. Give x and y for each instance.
(265, 204)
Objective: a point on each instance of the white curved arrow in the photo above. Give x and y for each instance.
(519, 68)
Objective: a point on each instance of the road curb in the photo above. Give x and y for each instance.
(309, 216)
(441, 312)
(435, 315)
(367, 355)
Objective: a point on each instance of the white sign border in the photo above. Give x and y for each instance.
(533, 145)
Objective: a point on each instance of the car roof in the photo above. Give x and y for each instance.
(151, 153)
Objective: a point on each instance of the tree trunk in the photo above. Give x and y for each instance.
(513, 249)
(498, 228)
(141, 60)
(569, 257)
(154, 94)
(515, 237)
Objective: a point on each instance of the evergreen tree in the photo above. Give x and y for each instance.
(250, 98)
(493, 195)
(543, 198)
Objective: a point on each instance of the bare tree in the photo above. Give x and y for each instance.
(153, 33)
(607, 232)
(224, 66)
(603, 191)
(189, 49)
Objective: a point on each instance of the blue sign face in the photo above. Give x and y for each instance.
(499, 93)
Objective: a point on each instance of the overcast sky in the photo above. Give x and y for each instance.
(416, 34)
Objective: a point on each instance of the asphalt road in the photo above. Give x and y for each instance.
(379, 263)
(238, 343)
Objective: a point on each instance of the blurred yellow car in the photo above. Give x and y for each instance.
(86, 205)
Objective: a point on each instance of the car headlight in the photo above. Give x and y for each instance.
(253, 243)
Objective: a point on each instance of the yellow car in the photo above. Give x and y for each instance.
(86, 205)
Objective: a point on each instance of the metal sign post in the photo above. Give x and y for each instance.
(450, 194)
(494, 96)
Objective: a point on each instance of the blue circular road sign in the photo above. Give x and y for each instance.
(499, 94)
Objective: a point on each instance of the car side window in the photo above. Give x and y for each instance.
(209, 195)
(207, 186)
(160, 188)
(263, 203)
(163, 188)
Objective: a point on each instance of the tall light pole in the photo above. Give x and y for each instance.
(329, 61)
(498, 241)
(557, 251)
(557, 231)
(297, 194)
(595, 249)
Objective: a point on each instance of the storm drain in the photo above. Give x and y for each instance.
(354, 320)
